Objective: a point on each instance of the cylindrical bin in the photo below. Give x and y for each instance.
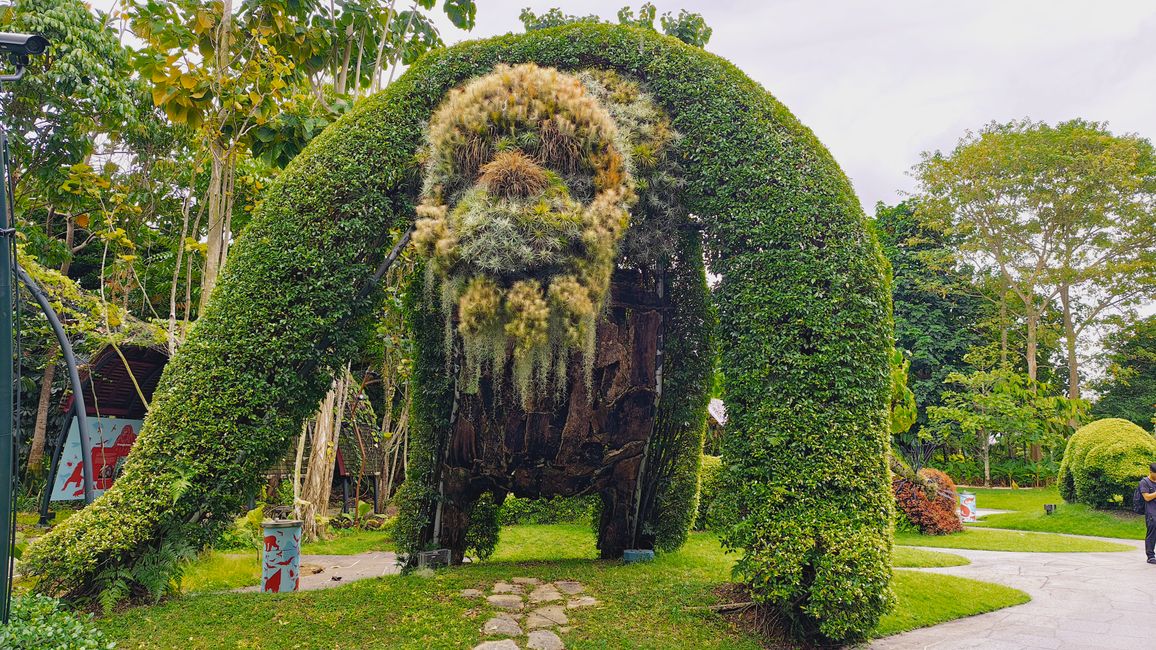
(967, 507)
(281, 562)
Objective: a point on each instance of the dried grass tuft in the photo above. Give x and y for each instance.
(513, 175)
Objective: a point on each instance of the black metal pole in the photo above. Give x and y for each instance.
(73, 376)
(7, 393)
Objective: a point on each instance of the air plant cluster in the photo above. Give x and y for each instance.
(527, 195)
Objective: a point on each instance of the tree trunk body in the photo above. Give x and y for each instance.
(1070, 339)
(1003, 328)
(591, 442)
(1033, 318)
(986, 459)
(40, 429)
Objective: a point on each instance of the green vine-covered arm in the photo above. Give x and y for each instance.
(803, 307)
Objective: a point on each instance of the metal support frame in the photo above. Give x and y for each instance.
(8, 393)
(78, 409)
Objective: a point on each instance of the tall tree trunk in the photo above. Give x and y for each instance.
(69, 237)
(1003, 328)
(40, 428)
(322, 452)
(172, 343)
(221, 168)
(220, 216)
(1032, 351)
(1033, 318)
(986, 458)
(1070, 337)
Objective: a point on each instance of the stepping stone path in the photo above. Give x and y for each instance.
(538, 615)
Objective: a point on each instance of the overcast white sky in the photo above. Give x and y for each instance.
(880, 82)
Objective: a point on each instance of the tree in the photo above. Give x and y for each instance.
(987, 406)
(936, 307)
(1062, 213)
(1129, 391)
(228, 74)
(994, 406)
(690, 28)
(903, 411)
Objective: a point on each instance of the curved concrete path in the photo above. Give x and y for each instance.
(1080, 601)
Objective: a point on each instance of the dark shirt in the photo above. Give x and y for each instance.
(1148, 487)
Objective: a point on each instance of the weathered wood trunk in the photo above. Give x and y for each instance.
(592, 441)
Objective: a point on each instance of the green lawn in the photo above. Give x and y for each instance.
(907, 557)
(922, 601)
(1072, 518)
(642, 606)
(986, 539)
(351, 542)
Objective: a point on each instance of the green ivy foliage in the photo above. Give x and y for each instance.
(1105, 460)
(803, 306)
(431, 403)
(670, 480)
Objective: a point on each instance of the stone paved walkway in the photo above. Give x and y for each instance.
(531, 608)
(1080, 601)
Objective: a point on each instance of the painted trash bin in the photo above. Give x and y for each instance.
(967, 507)
(281, 562)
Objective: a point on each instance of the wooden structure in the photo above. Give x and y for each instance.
(593, 441)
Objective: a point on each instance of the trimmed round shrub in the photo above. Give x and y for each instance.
(1105, 460)
(709, 479)
(803, 307)
(38, 622)
(927, 501)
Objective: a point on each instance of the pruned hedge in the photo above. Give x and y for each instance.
(803, 306)
(709, 477)
(1105, 460)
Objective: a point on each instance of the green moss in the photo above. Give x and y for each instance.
(803, 307)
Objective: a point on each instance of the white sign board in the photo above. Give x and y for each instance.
(112, 439)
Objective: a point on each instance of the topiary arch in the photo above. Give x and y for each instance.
(803, 307)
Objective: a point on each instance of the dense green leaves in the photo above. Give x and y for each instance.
(1104, 462)
(1129, 391)
(40, 622)
(690, 28)
(936, 308)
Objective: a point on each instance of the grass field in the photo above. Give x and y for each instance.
(1071, 518)
(907, 557)
(987, 539)
(923, 602)
(642, 606)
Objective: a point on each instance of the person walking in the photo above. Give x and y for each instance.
(1147, 490)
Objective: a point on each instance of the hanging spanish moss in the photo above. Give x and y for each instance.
(530, 174)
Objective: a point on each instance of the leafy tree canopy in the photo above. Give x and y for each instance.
(1129, 391)
(690, 28)
(936, 308)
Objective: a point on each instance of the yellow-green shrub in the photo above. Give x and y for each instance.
(1104, 460)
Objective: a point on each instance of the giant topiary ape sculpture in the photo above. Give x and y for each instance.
(563, 322)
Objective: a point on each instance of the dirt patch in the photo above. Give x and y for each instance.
(759, 621)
